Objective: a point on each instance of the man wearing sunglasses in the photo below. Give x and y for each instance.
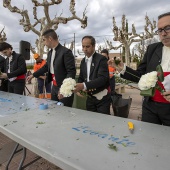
(155, 109)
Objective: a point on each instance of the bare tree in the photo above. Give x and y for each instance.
(140, 48)
(71, 45)
(44, 22)
(126, 38)
(2, 36)
(101, 47)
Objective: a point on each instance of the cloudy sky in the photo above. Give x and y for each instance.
(99, 12)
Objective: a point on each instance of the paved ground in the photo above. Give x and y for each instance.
(41, 164)
(136, 106)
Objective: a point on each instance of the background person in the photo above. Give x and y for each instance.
(28, 74)
(43, 85)
(60, 65)
(105, 53)
(14, 69)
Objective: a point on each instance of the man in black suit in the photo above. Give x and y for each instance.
(94, 78)
(3, 82)
(14, 69)
(60, 65)
(155, 109)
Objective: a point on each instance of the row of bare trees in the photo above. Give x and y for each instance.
(122, 34)
(45, 22)
(126, 37)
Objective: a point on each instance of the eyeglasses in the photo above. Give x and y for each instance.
(166, 29)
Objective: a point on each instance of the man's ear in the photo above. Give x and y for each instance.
(50, 38)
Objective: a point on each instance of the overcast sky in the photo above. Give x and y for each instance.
(99, 12)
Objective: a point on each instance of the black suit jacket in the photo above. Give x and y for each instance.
(17, 66)
(2, 63)
(99, 74)
(151, 60)
(64, 65)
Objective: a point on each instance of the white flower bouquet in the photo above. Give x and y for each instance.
(149, 82)
(67, 87)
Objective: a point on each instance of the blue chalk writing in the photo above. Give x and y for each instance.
(4, 100)
(103, 135)
(86, 130)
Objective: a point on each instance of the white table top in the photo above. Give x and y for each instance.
(12, 103)
(78, 140)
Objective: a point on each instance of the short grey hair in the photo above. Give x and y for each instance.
(163, 15)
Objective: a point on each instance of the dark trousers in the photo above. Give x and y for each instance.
(112, 84)
(41, 86)
(16, 86)
(100, 106)
(67, 101)
(156, 112)
(4, 85)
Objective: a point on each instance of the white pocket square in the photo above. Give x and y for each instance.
(101, 94)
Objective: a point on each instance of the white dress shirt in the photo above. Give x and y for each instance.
(166, 67)
(13, 78)
(88, 63)
(52, 61)
(165, 63)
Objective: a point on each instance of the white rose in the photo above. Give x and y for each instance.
(148, 80)
(67, 87)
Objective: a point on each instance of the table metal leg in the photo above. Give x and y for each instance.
(12, 155)
(16, 150)
(23, 158)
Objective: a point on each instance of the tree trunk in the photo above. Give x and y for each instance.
(127, 55)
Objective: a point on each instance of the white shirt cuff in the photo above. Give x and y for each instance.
(123, 71)
(85, 88)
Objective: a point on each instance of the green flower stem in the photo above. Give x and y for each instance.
(84, 93)
(158, 87)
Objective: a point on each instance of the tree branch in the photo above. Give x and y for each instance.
(45, 22)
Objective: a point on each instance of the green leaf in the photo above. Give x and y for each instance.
(40, 123)
(150, 92)
(84, 93)
(117, 62)
(14, 121)
(125, 136)
(124, 144)
(27, 109)
(112, 146)
(160, 73)
(134, 153)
